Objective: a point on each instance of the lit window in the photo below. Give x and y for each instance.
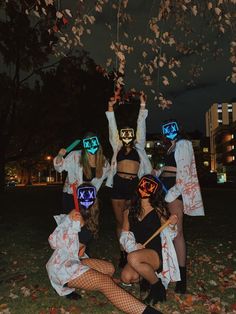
(220, 120)
(230, 110)
(148, 145)
(232, 147)
(149, 156)
(206, 163)
(219, 110)
(219, 105)
(232, 136)
(205, 150)
(229, 105)
(233, 157)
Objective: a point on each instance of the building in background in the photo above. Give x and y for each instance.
(221, 129)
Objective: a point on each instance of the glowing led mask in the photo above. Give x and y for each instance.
(127, 135)
(147, 187)
(170, 130)
(91, 144)
(86, 196)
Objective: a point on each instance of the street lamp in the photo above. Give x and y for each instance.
(49, 158)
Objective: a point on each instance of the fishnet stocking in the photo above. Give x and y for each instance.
(99, 265)
(99, 279)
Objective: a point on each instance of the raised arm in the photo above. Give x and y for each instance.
(58, 161)
(113, 131)
(141, 122)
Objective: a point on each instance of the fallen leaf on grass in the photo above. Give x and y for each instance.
(13, 296)
(94, 300)
(212, 283)
(74, 310)
(202, 297)
(53, 310)
(18, 277)
(233, 307)
(25, 291)
(215, 308)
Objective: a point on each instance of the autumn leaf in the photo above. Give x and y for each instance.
(59, 15)
(218, 11)
(68, 12)
(194, 10)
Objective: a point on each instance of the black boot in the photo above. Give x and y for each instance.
(151, 310)
(156, 294)
(181, 285)
(144, 286)
(123, 259)
(73, 296)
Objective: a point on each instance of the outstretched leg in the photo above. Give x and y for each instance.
(99, 265)
(94, 280)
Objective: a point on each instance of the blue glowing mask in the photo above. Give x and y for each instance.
(86, 196)
(170, 130)
(91, 144)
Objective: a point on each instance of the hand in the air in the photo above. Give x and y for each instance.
(142, 98)
(62, 152)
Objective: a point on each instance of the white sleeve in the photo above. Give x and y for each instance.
(128, 242)
(170, 268)
(64, 163)
(65, 233)
(113, 131)
(141, 129)
(183, 158)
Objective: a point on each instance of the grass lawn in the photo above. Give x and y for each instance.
(26, 220)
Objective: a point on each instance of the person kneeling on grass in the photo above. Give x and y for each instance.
(156, 262)
(68, 270)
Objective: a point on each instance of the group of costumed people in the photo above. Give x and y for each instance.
(148, 205)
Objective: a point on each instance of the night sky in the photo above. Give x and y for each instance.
(189, 104)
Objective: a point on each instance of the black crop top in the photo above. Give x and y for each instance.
(132, 155)
(170, 160)
(93, 175)
(144, 229)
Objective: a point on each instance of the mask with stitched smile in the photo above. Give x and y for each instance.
(147, 186)
(127, 136)
(91, 144)
(86, 196)
(170, 130)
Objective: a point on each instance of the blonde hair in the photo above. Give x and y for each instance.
(99, 162)
(92, 222)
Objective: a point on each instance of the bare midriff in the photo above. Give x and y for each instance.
(127, 169)
(169, 171)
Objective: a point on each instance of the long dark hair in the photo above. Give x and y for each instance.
(157, 201)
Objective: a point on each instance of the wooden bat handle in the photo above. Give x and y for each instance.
(157, 232)
(75, 197)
